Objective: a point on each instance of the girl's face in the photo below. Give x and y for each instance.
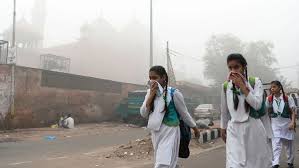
(160, 79)
(235, 66)
(275, 89)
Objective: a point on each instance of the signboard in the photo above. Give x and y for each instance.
(12, 55)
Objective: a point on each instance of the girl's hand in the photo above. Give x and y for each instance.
(292, 126)
(223, 134)
(196, 132)
(153, 89)
(238, 79)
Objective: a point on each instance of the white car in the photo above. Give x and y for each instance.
(206, 111)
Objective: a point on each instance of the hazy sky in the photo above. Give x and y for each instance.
(186, 24)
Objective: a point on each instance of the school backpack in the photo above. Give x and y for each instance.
(253, 113)
(185, 136)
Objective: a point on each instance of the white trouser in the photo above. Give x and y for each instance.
(277, 144)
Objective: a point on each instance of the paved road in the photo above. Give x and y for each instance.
(39, 153)
(216, 159)
(29, 151)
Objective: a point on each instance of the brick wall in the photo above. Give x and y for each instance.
(41, 96)
(5, 89)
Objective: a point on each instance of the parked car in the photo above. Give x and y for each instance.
(206, 111)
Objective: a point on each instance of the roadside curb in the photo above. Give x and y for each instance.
(209, 135)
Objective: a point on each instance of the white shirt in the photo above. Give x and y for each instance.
(69, 122)
(156, 116)
(280, 125)
(254, 99)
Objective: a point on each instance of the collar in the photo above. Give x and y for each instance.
(278, 98)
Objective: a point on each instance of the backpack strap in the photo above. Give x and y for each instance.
(252, 81)
(225, 85)
(172, 90)
(286, 99)
(270, 99)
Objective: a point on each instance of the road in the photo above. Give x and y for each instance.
(19, 153)
(58, 153)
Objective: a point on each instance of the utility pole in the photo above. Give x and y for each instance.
(151, 34)
(297, 75)
(14, 25)
(13, 47)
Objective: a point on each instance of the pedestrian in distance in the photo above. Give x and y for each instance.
(283, 119)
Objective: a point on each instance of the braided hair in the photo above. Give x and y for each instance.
(278, 83)
(160, 70)
(240, 59)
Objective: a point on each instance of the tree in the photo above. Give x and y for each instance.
(217, 49)
(259, 55)
(260, 58)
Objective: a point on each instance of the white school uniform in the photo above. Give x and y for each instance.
(166, 139)
(247, 143)
(282, 135)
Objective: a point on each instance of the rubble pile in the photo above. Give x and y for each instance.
(138, 149)
(143, 149)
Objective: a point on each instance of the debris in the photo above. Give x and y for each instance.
(138, 149)
(132, 126)
(128, 147)
(54, 126)
(50, 138)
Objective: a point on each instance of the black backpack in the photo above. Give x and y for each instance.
(185, 139)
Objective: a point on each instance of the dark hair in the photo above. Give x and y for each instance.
(278, 83)
(239, 58)
(160, 70)
(69, 115)
(295, 99)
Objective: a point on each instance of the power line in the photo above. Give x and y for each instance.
(175, 53)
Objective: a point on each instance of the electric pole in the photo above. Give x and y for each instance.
(151, 34)
(14, 25)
